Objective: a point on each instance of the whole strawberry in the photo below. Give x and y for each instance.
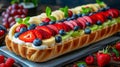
(103, 58)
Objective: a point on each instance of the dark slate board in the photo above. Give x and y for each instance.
(64, 59)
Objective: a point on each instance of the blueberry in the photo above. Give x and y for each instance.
(62, 32)
(82, 65)
(32, 26)
(52, 22)
(37, 42)
(24, 29)
(88, 24)
(17, 34)
(83, 14)
(91, 14)
(87, 31)
(3, 28)
(58, 39)
(99, 22)
(107, 8)
(74, 16)
(109, 17)
(43, 23)
(102, 9)
(79, 15)
(68, 19)
(76, 28)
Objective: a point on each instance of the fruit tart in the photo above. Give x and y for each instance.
(62, 31)
(3, 32)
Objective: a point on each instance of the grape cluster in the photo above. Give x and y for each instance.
(12, 12)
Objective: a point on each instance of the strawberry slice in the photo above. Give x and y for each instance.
(69, 24)
(88, 19)
(38, 34)
(82, 22)
(58, 26)
(68, 28)
(100, 17)
(45, 29)
(27, 36)
(53, 28)
(73, 22)
(45, 35)
(78, 23)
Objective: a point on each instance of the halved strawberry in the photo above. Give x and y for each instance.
(68, 28)
(53, 28)
(27, 36)
(45, 35)
(69, 24)
(45, 29)
(58, 26)
(88, 19)
(100, 17)
(82, 22)
(78, 23)
(63, 26)
(73, 22)
(93, 18)
(38, 34)
(53, 31)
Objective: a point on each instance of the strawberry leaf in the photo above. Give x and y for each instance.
(48, 11)
(18, 20)
(52, 18)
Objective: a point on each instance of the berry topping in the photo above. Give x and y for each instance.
(28, 36)
(79, 15)
(70, 13)
(74, 16)
(9, 62)
(88, 24)
(23, 29)
(19, 27)
(99, 23)
(2, 32)
(76, 28)
(58, 39)
(109, 17)
(32, 26)
(3, 28)
(45, 35)
(2, 59)
(62, 32)
(52, 22)
(43, 23)
(37, 42)
(38, 34)
(87, 31)
(46, 20)
(89, 60)
(17, 34)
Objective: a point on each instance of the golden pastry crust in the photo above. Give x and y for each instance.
(37, 55)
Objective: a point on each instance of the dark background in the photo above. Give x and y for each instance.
(73, 3)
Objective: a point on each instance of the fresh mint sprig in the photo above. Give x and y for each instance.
(65, 10)
(99, 2)
(86, 10)
(21, 21)
(48, 13)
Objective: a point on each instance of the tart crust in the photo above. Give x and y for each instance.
(37, 55)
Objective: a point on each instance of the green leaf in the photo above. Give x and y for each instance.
(48, 11)
(19, 20)
(15, 1)
(86, 10)
(52, 18)
(65, 10)
(26, 20)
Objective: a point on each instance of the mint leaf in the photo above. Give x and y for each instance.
(86, 10)
(48, 11)
(18, 20)
(52, 18)
(26, 20)
(65, 10)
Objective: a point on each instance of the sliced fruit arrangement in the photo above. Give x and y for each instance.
(64, 29)
(14, 11)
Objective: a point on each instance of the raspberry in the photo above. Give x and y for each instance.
(1, 59)
(3, 65)
(9, 62)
